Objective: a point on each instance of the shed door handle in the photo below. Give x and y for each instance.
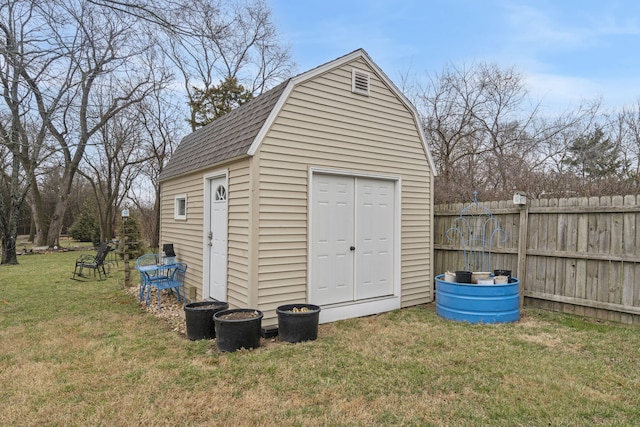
(352, 248)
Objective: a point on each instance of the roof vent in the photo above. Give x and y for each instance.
(360, 82)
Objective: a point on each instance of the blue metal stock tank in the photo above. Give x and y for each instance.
(466, 302)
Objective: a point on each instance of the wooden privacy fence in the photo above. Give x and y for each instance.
(577, 255)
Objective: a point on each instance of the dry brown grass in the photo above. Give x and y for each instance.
(86, 353)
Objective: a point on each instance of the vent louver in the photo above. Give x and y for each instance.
(360, 82)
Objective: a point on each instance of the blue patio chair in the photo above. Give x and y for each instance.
(175, 280)
(146, 264)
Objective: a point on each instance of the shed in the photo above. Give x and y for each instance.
(318, 191)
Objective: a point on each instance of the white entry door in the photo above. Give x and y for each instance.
(352, 238)
(217, 239)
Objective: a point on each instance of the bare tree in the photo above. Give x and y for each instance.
(76, 65)
(232, 40)
(86, 65)
(486, 134)
(627, 132)
(161, 129)
(21, 133)
(111, 167)
(208, 42)
(121, 148)
(474, 118)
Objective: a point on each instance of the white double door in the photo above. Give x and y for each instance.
(352, 236)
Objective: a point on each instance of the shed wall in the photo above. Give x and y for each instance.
(238, 279)
(188, 236)
(323, 124)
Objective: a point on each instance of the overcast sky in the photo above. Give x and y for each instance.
(568, 50)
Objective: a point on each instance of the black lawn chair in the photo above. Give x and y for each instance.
(93, 262)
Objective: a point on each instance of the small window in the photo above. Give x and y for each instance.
(221, 194)
(360, 82)
(180, 207)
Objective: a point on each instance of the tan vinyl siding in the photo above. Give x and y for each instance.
(238, 238)
(323, 124)
(186, 236)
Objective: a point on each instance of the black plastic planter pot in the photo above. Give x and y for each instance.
(237, 328)
(199, 318)
(463, 276)
(298, 322)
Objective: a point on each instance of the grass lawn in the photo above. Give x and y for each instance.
(80, 353)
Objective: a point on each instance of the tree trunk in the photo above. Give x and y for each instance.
(9, 254)
(57, 220)
(108, 224)
(155, 236)
(10, 232)
(37, 217)
(32, 230)
(55, 227)
(11, 212)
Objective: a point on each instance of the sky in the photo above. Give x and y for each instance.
(568, 51)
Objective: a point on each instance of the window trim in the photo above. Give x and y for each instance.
(176, 207)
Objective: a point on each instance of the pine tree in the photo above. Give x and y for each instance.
(85, 228)
(210, 103)
(594, 157)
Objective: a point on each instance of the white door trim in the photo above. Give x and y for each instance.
(206, 226)
(334, 312)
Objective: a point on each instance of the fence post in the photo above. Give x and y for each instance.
(125, 237)
(522, 249)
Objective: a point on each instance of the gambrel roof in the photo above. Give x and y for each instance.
(226, 138)
(240, 132)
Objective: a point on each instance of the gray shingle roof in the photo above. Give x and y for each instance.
(226, 138)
